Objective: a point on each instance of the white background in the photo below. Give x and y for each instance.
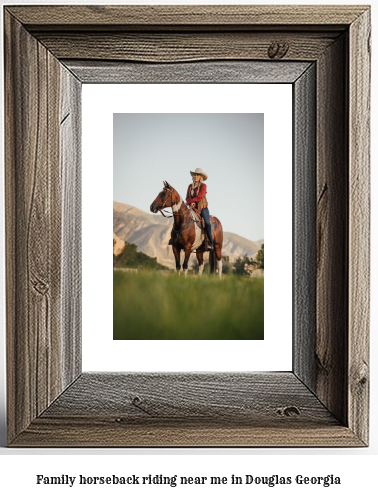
(356, 467)
(100, 351)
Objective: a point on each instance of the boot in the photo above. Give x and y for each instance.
(210, 243)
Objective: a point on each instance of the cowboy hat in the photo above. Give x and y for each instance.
(200, 172)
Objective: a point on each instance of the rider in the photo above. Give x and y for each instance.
(196, 198)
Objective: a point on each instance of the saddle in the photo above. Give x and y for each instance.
(200, 221)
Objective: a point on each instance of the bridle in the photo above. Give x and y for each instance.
(165, 201)
(174, 215)
(163, 206)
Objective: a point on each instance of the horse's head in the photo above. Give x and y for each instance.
(166, 198)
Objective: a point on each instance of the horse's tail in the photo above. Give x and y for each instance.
(212, 261)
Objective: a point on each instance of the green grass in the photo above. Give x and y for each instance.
(148, 306)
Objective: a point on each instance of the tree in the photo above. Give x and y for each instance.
(242, 265)
(260, 258)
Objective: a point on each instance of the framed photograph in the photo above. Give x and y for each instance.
(152, 250)
(323, 52)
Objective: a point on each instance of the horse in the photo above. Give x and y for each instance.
(184, 231)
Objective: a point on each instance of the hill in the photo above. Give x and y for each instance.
(236, 246)
(150, 232)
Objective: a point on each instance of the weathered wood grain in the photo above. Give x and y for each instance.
(193, 409)
(168, 16)
(34, 239)
(359, 226)
(332, 230)
(304, 227)
(241, 397)
(97, 432)
(200, 72)
(180, 47)
(31, 308)
(71, 189)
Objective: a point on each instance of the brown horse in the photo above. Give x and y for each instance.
(184, 231)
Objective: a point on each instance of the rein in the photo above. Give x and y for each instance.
(167, 216)
(173, 215)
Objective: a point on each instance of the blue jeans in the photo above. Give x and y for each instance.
(206, 215)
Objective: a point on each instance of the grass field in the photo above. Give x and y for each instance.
(152, 306)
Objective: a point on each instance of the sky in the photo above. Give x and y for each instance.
(229, 147)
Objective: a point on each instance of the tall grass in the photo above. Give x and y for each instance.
(151, 306)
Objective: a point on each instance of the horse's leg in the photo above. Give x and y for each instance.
(212, 261)
(188, 251)
(176, 253)
(218, 253)
(201, 264)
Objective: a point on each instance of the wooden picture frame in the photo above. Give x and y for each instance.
(49, 52)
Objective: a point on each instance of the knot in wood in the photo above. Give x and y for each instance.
(363, 381)
(41, 287)
(288, 411)
(362, 375)
(140, 404)
(277, 50)
(136, 400)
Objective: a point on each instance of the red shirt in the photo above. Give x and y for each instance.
(197, 198)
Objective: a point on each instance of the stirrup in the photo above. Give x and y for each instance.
(208, 245)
